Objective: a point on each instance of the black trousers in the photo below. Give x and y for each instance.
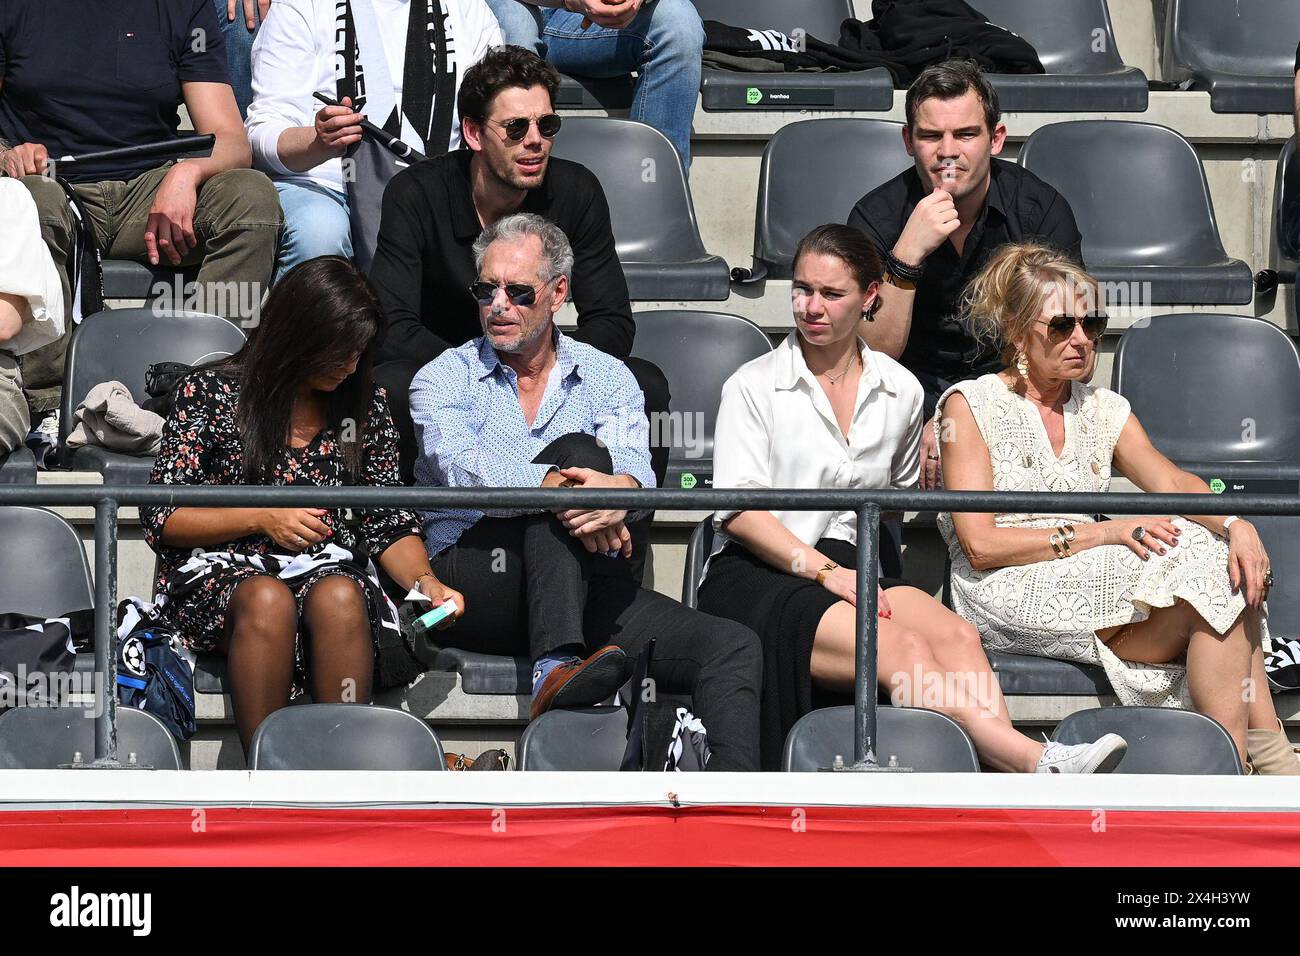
(396, 378)
(530, 587)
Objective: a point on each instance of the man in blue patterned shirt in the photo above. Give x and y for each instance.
(526, 406)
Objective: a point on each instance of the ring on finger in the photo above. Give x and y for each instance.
(1139, 533)
(1268, 578)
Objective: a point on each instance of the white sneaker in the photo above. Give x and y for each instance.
(1100, 756)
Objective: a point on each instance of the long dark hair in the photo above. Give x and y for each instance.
(313, 322)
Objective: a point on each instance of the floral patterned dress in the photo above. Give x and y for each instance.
(201, 446)
(1054, 608)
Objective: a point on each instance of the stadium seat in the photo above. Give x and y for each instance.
(42, 738)
(655, 230)
(18, 467)
(698, 351)
(1160, 739)
(726, 90)
(120, 345)
(126, 279)
(1249, 430)
(481, 673)
(43, 566)
(1143, 206)
(1021, 675)
(593, 93)
(805, 181)
(925, 740)
(1076, 44)
(1242, 53)
(581, 738)
(344, 737)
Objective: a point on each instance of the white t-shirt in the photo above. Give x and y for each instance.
(776, 429)
(27, 270)
(293, 57)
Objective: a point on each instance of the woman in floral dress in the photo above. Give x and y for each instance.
(1171, 607)
(295, 406)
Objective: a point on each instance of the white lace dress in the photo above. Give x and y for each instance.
(1054, 608)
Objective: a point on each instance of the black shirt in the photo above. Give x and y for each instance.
(424, 260)
(85, 75)
(1019, 206)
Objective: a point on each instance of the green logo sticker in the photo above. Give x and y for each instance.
(1217, 485)
(688, 480)
(753, 96)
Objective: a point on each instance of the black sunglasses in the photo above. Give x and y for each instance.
(516, 129)
(1061, 327)
(517, 292)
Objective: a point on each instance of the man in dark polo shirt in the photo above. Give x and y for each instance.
(939, 222)
(81, 76)
(433, 212)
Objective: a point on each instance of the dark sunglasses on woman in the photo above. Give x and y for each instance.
(516, 129)
(1061, 327)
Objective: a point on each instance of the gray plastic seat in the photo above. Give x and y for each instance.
(43, 566)
(1241, 52)
(1021, 675)
(42, 738)
(727, 90)
(655, 231)
(344, 737)
(814, 172)
(120, 345)
(127, 279)
(1139, 195)
(594, 93)
(1160, 739)
(1167, 366)
(925, 740)
(698, 352)
(18, 467)
(579, 738)
(1075, 41)
(483, 673)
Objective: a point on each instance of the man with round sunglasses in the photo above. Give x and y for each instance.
(524, 406)
(433, 212)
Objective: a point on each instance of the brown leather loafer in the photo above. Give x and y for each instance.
(582, 683)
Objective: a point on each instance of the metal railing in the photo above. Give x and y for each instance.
(867, 504)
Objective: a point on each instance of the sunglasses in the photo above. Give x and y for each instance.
(517, 292)
(1061, 327)
(516, 129)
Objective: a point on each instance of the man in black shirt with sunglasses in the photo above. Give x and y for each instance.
(433, 212)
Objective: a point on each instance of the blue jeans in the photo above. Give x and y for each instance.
(663, 45)
(239, 52)
(315, 224)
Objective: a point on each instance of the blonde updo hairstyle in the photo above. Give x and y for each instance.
(1003, 302)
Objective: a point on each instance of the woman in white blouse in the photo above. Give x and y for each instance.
(309, 46)
(824, 411)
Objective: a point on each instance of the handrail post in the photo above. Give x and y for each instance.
(106, 633)
(864, 676)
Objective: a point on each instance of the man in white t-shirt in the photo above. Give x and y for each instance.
(344, 50)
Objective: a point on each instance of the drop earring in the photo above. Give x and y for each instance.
(1022, 365)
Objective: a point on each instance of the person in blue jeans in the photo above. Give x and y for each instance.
(661, 40)
(239, 20)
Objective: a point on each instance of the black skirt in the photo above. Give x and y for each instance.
(784, 611)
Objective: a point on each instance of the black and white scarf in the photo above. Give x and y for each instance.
(428, 73)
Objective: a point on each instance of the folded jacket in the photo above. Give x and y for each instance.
(110, 418)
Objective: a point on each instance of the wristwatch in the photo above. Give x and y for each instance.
(826, 569)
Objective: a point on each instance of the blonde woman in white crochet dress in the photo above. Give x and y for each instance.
(1170, 607)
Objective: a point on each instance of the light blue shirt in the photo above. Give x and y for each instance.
(471, 430)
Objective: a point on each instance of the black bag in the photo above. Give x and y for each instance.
(151, 676)
(34, 651)
(661, 733)
(160, 381)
